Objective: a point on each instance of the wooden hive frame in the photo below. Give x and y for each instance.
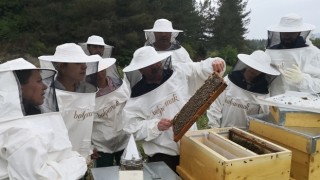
(197, 105)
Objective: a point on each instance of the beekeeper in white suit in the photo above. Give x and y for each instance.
(249, 79)
(96, 45)
(108, 137)
(159, 96)
(34, 140)
(163, 38)
(75, 92)
(293, 54)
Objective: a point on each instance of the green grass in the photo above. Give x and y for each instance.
(228, 70)
(202, 122)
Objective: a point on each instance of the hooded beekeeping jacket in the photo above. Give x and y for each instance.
(250, 79)
(303, 54)
(233, 105)
(33, 146)
(107, 133)
(307, 59)
(77, 108)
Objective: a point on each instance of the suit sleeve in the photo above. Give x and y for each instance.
(142, 129)
(29, 159)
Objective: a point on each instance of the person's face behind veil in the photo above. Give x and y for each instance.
(288, 39)
(73, 72)
(95, 49)
(33, 90)
(153, 73)
(162, 40)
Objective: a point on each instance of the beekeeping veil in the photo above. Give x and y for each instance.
(71, 53)
(14, 75)
(76, 107)
(259, 61)
(144, 57)
(107, 65)
(161, 25)
(107, 133)
(97, 40)
(290, 33)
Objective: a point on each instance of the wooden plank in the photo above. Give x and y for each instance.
(302, 119)
(223, 152)
(314, 169)
(288, 117)
(274, 111)
(197, 160)
(275, 166)
(279, 135)
(299, 162)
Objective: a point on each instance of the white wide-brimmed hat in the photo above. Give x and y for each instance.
(291, 23)
(16, 64)
(104, 63)
(70, 53)
(162, 25)
(145, 56)
(96, 40)
(260, 61)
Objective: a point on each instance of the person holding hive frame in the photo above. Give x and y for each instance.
(159, 96)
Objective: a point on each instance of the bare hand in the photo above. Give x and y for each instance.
(95, 154)
(164, 124)
(218, 65)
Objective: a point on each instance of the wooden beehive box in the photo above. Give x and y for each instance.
(211, 154)
(291, 117)
(302, 141)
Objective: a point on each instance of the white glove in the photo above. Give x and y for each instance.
(293, 75)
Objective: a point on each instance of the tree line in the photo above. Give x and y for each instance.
(35, 27)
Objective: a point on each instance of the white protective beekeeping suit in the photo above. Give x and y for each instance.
(233, 105)
(108, 135)
(299, 65)
(179, 53)
(97, 40)
(142, 113)
(33, 146)
(77, 108)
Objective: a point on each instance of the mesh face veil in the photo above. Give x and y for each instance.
(73, 67)
(253, 72)
(135, 76)
(291, 32)
(29, 90)
(287, 40)
(37, 91)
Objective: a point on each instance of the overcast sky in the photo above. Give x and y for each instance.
(265, 13)
(268, 12)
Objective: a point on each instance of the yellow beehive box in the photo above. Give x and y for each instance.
(218, 155)
(302, 141)
(291, 117)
